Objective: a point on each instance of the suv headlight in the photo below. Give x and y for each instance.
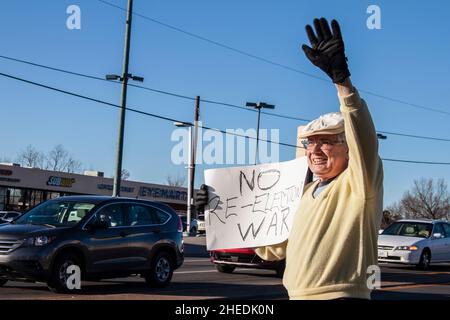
(39, 241)
(407, 248)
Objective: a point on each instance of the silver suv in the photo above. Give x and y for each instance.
(105, 237)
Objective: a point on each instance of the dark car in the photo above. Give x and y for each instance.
(226, 260)
(106, 237)
(193, 225)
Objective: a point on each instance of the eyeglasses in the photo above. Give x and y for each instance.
(324, 144)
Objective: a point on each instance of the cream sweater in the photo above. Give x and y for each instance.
(334, 237)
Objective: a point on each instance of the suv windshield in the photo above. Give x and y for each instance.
(409, 229)
(56, 213)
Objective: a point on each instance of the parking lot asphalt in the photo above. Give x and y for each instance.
(198, 279)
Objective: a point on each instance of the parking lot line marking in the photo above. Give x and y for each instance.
(437, 272)
(197, 260)
(198, 271)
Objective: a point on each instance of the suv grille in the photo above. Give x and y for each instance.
(6, 246)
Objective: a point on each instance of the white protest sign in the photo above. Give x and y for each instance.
(253, 206)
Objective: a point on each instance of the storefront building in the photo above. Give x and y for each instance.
(23, 188)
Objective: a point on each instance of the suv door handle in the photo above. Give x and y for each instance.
(157, 230)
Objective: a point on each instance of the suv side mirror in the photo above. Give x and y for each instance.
(437, 235)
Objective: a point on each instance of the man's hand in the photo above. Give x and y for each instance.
(327, 49)
(201, 198)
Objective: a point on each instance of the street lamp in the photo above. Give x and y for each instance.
(124, 80)
(190, 174)
(259, 106)
(381, 136)
(112, 77)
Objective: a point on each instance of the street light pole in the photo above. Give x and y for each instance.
(257, 135)
(259, 106)
(194, 151)
(190, 168)
(190, 179)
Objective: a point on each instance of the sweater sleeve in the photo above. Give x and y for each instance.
(273, 252)
(365, 171)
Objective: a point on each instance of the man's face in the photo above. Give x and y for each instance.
(329, 159)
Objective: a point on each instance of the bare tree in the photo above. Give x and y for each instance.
(73, 166)
(31, 157)
(177, 181)
(125, 174)
(427, 199)
(59, 159)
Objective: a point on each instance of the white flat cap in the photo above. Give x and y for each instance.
(330, 123)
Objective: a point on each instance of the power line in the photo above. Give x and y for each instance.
(53, 68)
(286, 67)
(146, 88)
(132, 109)
(202, 100)
(214, 42)
(414, 136)
(176, 120)
(413, 161)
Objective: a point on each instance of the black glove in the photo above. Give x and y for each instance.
(201, 198)
(327, 50)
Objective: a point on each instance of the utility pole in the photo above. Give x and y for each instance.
(124, 79)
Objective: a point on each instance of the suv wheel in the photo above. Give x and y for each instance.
(58, 280)
(2, 282)
(425, 259)
(225, 268)
(161, 271)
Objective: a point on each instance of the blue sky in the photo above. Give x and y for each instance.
(406, 60)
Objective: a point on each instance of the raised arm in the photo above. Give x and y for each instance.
(327, 51)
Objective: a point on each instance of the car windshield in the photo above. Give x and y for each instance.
(409, 229)
(56, 213)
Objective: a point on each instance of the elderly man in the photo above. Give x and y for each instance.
(333, 240)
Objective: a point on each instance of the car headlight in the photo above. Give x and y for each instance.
(39, 241)
(407, 248)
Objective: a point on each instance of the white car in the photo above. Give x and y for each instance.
(201, 224)
(417, 242)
